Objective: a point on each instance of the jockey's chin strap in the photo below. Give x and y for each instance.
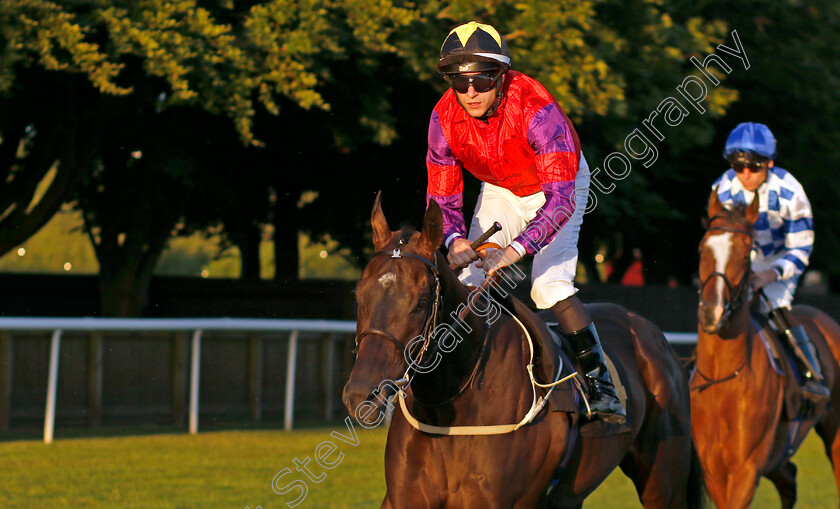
(537, 403)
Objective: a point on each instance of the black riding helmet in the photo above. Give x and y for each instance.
(473, 47)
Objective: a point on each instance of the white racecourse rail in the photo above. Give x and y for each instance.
(197, 326)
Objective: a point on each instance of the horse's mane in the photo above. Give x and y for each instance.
(733, 215)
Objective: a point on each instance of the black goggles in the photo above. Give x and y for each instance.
(481, 82)
(747, 160)
(752, 167)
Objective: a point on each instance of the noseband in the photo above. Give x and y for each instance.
(436, 303)
(737, 294)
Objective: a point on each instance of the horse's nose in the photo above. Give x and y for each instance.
(353, 394)
(368, 410)
(345, 398)
(710, 317)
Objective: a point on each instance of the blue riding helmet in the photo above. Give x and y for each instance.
(750, 137)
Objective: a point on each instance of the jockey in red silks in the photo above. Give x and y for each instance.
(508, 131)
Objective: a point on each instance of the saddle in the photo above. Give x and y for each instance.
(783, 362)
(552, 352)
(597, 428)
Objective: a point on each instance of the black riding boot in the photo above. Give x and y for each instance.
(814, 387)
(602, 398)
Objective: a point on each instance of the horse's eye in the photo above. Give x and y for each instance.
(422, 304)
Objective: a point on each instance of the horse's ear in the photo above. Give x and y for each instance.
(381, 232)
(751, 212)
(432, 234)
(715, 205)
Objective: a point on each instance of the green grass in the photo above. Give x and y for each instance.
(235, 469)
(815, 484)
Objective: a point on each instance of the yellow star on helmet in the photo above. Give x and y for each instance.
(464, 32)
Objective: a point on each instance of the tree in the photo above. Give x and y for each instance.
(128, 62)
(332, 97)
(47, 136)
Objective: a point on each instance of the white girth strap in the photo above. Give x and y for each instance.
(497, 429)
(537, 404)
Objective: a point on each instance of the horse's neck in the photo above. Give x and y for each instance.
(481, 354)
(499, 393)
(745, 375)
(455, 302)
(723, 353)
(468, 329)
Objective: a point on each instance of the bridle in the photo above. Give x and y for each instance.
(429, 327)
(738, 295)
(432, 316)
(537, 404)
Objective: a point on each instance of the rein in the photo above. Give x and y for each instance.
(537, 404)
(428, 329)
(469, 379)
(712, 381)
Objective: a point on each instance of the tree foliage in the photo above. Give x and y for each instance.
(87, 85)
(165, 117)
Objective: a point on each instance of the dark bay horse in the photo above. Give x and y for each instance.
(740, 429)
(475, 376)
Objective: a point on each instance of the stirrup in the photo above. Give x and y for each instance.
(815, 391)
(806, 352)
(603, 401)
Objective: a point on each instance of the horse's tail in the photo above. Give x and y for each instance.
(696, 496)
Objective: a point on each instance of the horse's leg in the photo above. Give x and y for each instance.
(784, 478)
(558, 499)
(559, 503)
(638, 472)
(660, 482)
(717, 491)
(829, 430)
(740, 486)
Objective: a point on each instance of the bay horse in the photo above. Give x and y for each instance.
(740, 429)
(474, 379)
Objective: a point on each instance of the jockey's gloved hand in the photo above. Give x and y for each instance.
(761, 279)
(460, 254)
(498, 259)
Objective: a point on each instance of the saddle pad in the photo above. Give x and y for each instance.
(783, 363)
(568, 393)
